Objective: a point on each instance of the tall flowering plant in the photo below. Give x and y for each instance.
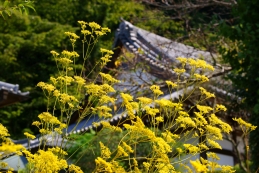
(173, 131)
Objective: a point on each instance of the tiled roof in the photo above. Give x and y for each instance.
(10, 93)
(156, 51)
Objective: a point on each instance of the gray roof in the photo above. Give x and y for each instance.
(10, 94)
(156, 51)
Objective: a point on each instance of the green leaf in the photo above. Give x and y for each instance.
(26, 11)
(29, 6)
(1, 13)
(8, 12)
(6, 3)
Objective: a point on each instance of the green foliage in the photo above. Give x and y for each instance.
(242, 54)
(25, 59)
(7, 8)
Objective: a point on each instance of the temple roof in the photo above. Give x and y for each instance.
(10, 94)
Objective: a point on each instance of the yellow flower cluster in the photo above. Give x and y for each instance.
(171, 84)
(45, 86)
(106, 51)
(179, 71)
(3, 132)
(108, 78)
(103, 111)
(74, 168)
(8, 147)
(98, 90)
(182, 60)
(46, 161)
(200, 64)
(206, 93)
(201, 78)
(203, 165)
(72, 36)
(156, 90)
(245, 126)
(145, 100)
(47, 123)
(107, 125)
(105, 151)
(198, 166)
(79, 80)
(29, 136)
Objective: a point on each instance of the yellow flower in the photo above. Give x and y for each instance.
(214, 132)
(213, 144)
(103, 111)
(163, 146)
(46, 161)
(54, 53)
(53, 80)
(36, 123)
(109, 78)
(246, 127)
(105, 59)
(105, 29)
(79, 80)
(29, 135)
(185, 122)
(103, 166)
(169, 83)
(220, 107)
(9, 147)
(3, 131)
(94, 25)
(206, 93)
(3, 164)
(127, 147)
(106, 99)
(106, 51)
(45, 86)
(159, 119)
(126, 98)
(182, 60)
(191, 148)
(121, 152)
(200, 120)
(214, 120)
(156, 90)
(48, 118)
(146, 165)
(151, 111)
(72, 35)
(64, 61)
(198, 166)
(86, 32)
(169, 137)
(179, 71)
(145, 100)
(74, 168)
(213, 155)
(202, 78)
(65, 98)
(68, 54)
(105, 151)
(107, 88)
(204, 109)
